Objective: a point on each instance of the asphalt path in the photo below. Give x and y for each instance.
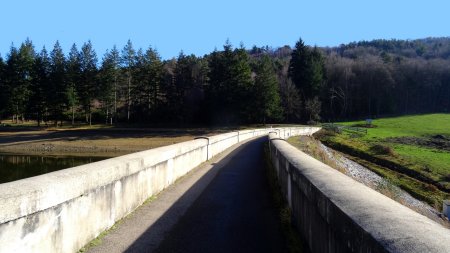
(234, 213)
(222, 206)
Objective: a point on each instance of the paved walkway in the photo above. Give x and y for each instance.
(223, 206)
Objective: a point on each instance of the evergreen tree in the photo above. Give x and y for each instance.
(11, 79)
(154, 77)
(18, 79)
(229, 87)
(56, 96)
(317, 72)
(139, 93)
(306, 69)
(184, 81)
(73, 79)
(27, 55)
(128, 61)
(266, 99)
(242, 83)
(87, 89)
(3, 88)
(40, 86)
(109, 78)
(298, 66)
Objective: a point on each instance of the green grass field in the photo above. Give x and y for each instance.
(412, 151)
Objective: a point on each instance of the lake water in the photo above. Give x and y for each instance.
(14, 166)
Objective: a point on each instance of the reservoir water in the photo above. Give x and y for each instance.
(15, 166)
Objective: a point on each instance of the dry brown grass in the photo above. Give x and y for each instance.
(105, 142)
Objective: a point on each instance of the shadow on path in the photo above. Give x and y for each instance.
(234, 213)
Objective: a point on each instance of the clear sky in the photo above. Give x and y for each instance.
(199, 26)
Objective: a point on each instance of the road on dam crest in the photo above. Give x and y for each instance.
(223, 206)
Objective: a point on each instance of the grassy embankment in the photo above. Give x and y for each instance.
(413, 152)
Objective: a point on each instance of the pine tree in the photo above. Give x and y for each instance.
(18, 79)
(57, 96)
(298, 67)
(154, 75)
(317, 72)
(306, 69)
(230, 83)
(109, 77)
(183, 82)
(128, 61)
(87, 90)
(115, 58)
(266, 98)
(73, 79)
(242, 83)
(40, 86)
(11, 79)
(2, 88)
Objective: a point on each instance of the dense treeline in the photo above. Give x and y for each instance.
(225, 87)
(387, 77)
(367, 78)
(230, 86)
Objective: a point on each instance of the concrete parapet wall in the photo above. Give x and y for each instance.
(63, 210)
(335, 213)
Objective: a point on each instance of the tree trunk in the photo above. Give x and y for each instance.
(129, 99)
(115, 101)
(73, 115)
(56, 118)
(90, 118)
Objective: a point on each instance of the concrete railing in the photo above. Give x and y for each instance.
(335, 213)
(64, 210)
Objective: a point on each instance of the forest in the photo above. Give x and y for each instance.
(231, 86)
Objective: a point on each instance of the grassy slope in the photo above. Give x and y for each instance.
(419, 170)
(419, 125)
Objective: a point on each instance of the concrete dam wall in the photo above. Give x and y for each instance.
(335, 213)
(64, 210)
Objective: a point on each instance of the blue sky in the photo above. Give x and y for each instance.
(199, 26)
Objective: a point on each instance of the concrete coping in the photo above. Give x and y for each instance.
(396, 227)
(30, 195)
(447, 202)
(202, 137)
(23, 197)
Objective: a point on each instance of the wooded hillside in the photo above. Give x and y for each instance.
(228, 86)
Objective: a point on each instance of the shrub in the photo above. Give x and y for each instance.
(364, 125)
(447, 178)
(382, 150)
(324, 133)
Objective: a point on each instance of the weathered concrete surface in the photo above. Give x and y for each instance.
(337, 214)
(62, 211)
(233, 214)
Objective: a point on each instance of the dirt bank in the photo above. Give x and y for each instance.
(440, 142)
(93, 142)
